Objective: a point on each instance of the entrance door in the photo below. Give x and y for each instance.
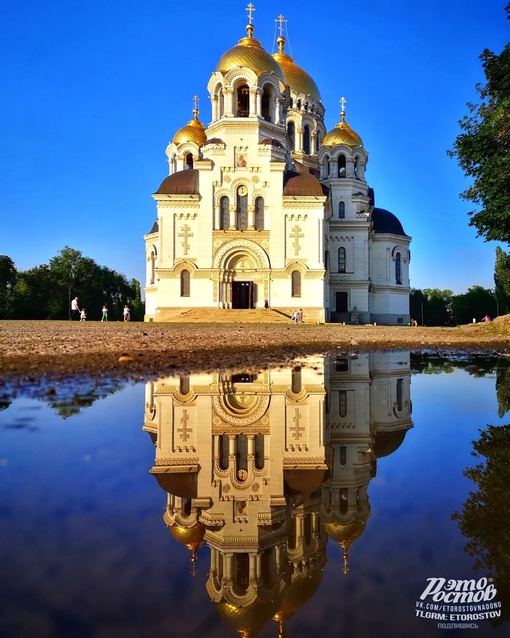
(242, 294)
(341, 299)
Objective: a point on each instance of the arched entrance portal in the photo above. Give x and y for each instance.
(243, 275)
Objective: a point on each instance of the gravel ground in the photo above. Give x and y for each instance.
(62, 348)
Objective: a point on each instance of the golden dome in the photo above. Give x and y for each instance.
(295, 77)
(191, 537)
(298, 593)
(249, 53)
(248, 621)
(344, 534)
(194, 131)
(342, 134)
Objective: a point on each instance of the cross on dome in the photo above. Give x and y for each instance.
(250, 9)
(342, 112)
(281, 20)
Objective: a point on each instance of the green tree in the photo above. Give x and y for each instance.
(8, 276)
(485, 516)
(68, 268)
(483, 148)
(474, 304)
(34, 295)
(438, 307)
(502, 280)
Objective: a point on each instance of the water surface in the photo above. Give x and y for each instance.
(317, 500)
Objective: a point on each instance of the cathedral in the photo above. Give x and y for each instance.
(265, 208)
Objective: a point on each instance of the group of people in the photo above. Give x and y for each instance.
(80, 314)
(297, 316)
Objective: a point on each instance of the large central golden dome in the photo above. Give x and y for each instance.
(297, 78)
(249, 53)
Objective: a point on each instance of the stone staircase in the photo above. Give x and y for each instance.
(218, 315)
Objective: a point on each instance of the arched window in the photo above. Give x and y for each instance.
(242, 208)
(341, 259)
(189, 161)
(356, 167)
(221, 109)
(259, 213)
(317, 141)
(243, 101)
(400, 394)
(291, 132)
(224, 213)
(184, 386)
(152, 266)
(185, 283)
(296, 283)
(267, 104)
(341, 210)
(306, 140)
(398, 268)
(296, 381)
(341, 166)
(342, 403)
(326, 167)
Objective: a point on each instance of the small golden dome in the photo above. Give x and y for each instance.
(342, 134)
(301, 184)
(248, 621)
(194, 131)
(295, 77)
(249, 53)
(344, 534)
(191, 537)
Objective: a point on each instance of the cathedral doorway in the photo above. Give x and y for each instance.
(242, 294)
(341, 302)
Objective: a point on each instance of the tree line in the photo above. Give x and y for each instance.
(435, 307)
(46, 291)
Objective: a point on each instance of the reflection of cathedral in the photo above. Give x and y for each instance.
(265, 468)
(265, 204)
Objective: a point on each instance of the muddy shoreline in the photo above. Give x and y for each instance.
(62, 348)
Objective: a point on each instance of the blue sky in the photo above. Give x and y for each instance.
(93, 92)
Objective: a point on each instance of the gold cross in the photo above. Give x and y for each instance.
(185, 233)
(184, 431)
(296, 234)
(250, 9)
(281, 20)
(297, 429)
(195, 102)
(342, 102)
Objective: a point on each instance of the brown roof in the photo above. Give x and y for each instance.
(180, 183)
(301, 184)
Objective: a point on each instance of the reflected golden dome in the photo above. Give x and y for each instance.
(191, 537)
(249, 53)
(295, 77)
(342, 134)
(344, 534)
(298, 593)
(194, 131)
(248, 621)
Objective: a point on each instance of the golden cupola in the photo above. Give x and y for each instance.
(342, 134)
(250, 54)
(297, 79)
(194, 131)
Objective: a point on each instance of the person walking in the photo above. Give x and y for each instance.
(75, 310)
(126, 313)
(83, 315)
(104, 316)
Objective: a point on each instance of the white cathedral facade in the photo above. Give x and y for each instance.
(265, 206)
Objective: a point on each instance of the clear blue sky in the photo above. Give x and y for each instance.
(93, 91)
